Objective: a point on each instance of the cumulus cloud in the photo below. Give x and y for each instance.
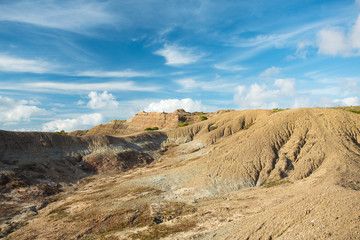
(170, 105)
(15, 111)
(272, 71)
(261, 96)
(332, 41)
(350, 101)
(102, 100)
(335, 42)
(286, 86)
(82, 122)
(15, 64)
(177, 55)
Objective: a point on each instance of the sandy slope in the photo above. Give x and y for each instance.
(251, 174)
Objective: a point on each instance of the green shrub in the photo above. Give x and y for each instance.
(203, 118)
(151, 129)
(62, 132)
(183, 124)
(355, 111)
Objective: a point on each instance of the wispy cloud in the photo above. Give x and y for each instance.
(15, 64)
(121, 74)
(67, 15)
(70, 87)
(232, 68)
(176, 55)
(191, 85)
(272, 71)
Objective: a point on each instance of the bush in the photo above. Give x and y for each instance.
(183, 124)
(62, 132)
(151, 129)
(203, 118)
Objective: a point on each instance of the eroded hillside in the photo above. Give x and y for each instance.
(249, 174)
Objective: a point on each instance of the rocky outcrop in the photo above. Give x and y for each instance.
(143, 120)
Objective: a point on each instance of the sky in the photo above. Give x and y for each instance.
(73, 64)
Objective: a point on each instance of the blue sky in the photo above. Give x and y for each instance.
(67, 65)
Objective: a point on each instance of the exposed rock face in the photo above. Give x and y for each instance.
(143, 120)
(114, 127)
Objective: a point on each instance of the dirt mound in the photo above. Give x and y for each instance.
(261, 147)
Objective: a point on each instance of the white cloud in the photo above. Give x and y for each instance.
(350, 101)
(335, 42)
(355, 34)
(232, 68)
(82, 122)
(302, 50)
(272, 71)
(191, 85)
(15, 64)
(15, 111)
(176, 55)
(102, 100)
(69, 87)
(170, 105)
(66, 15)
(286, 86)
(261, 96)
(121, 74)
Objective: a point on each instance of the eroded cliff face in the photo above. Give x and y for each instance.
(143, 120)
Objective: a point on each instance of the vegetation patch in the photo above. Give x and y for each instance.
(151, 129)
(62, 132)
(275, 110)
(274, 183)
(355, 111)
(203, 118)
(183, 124)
